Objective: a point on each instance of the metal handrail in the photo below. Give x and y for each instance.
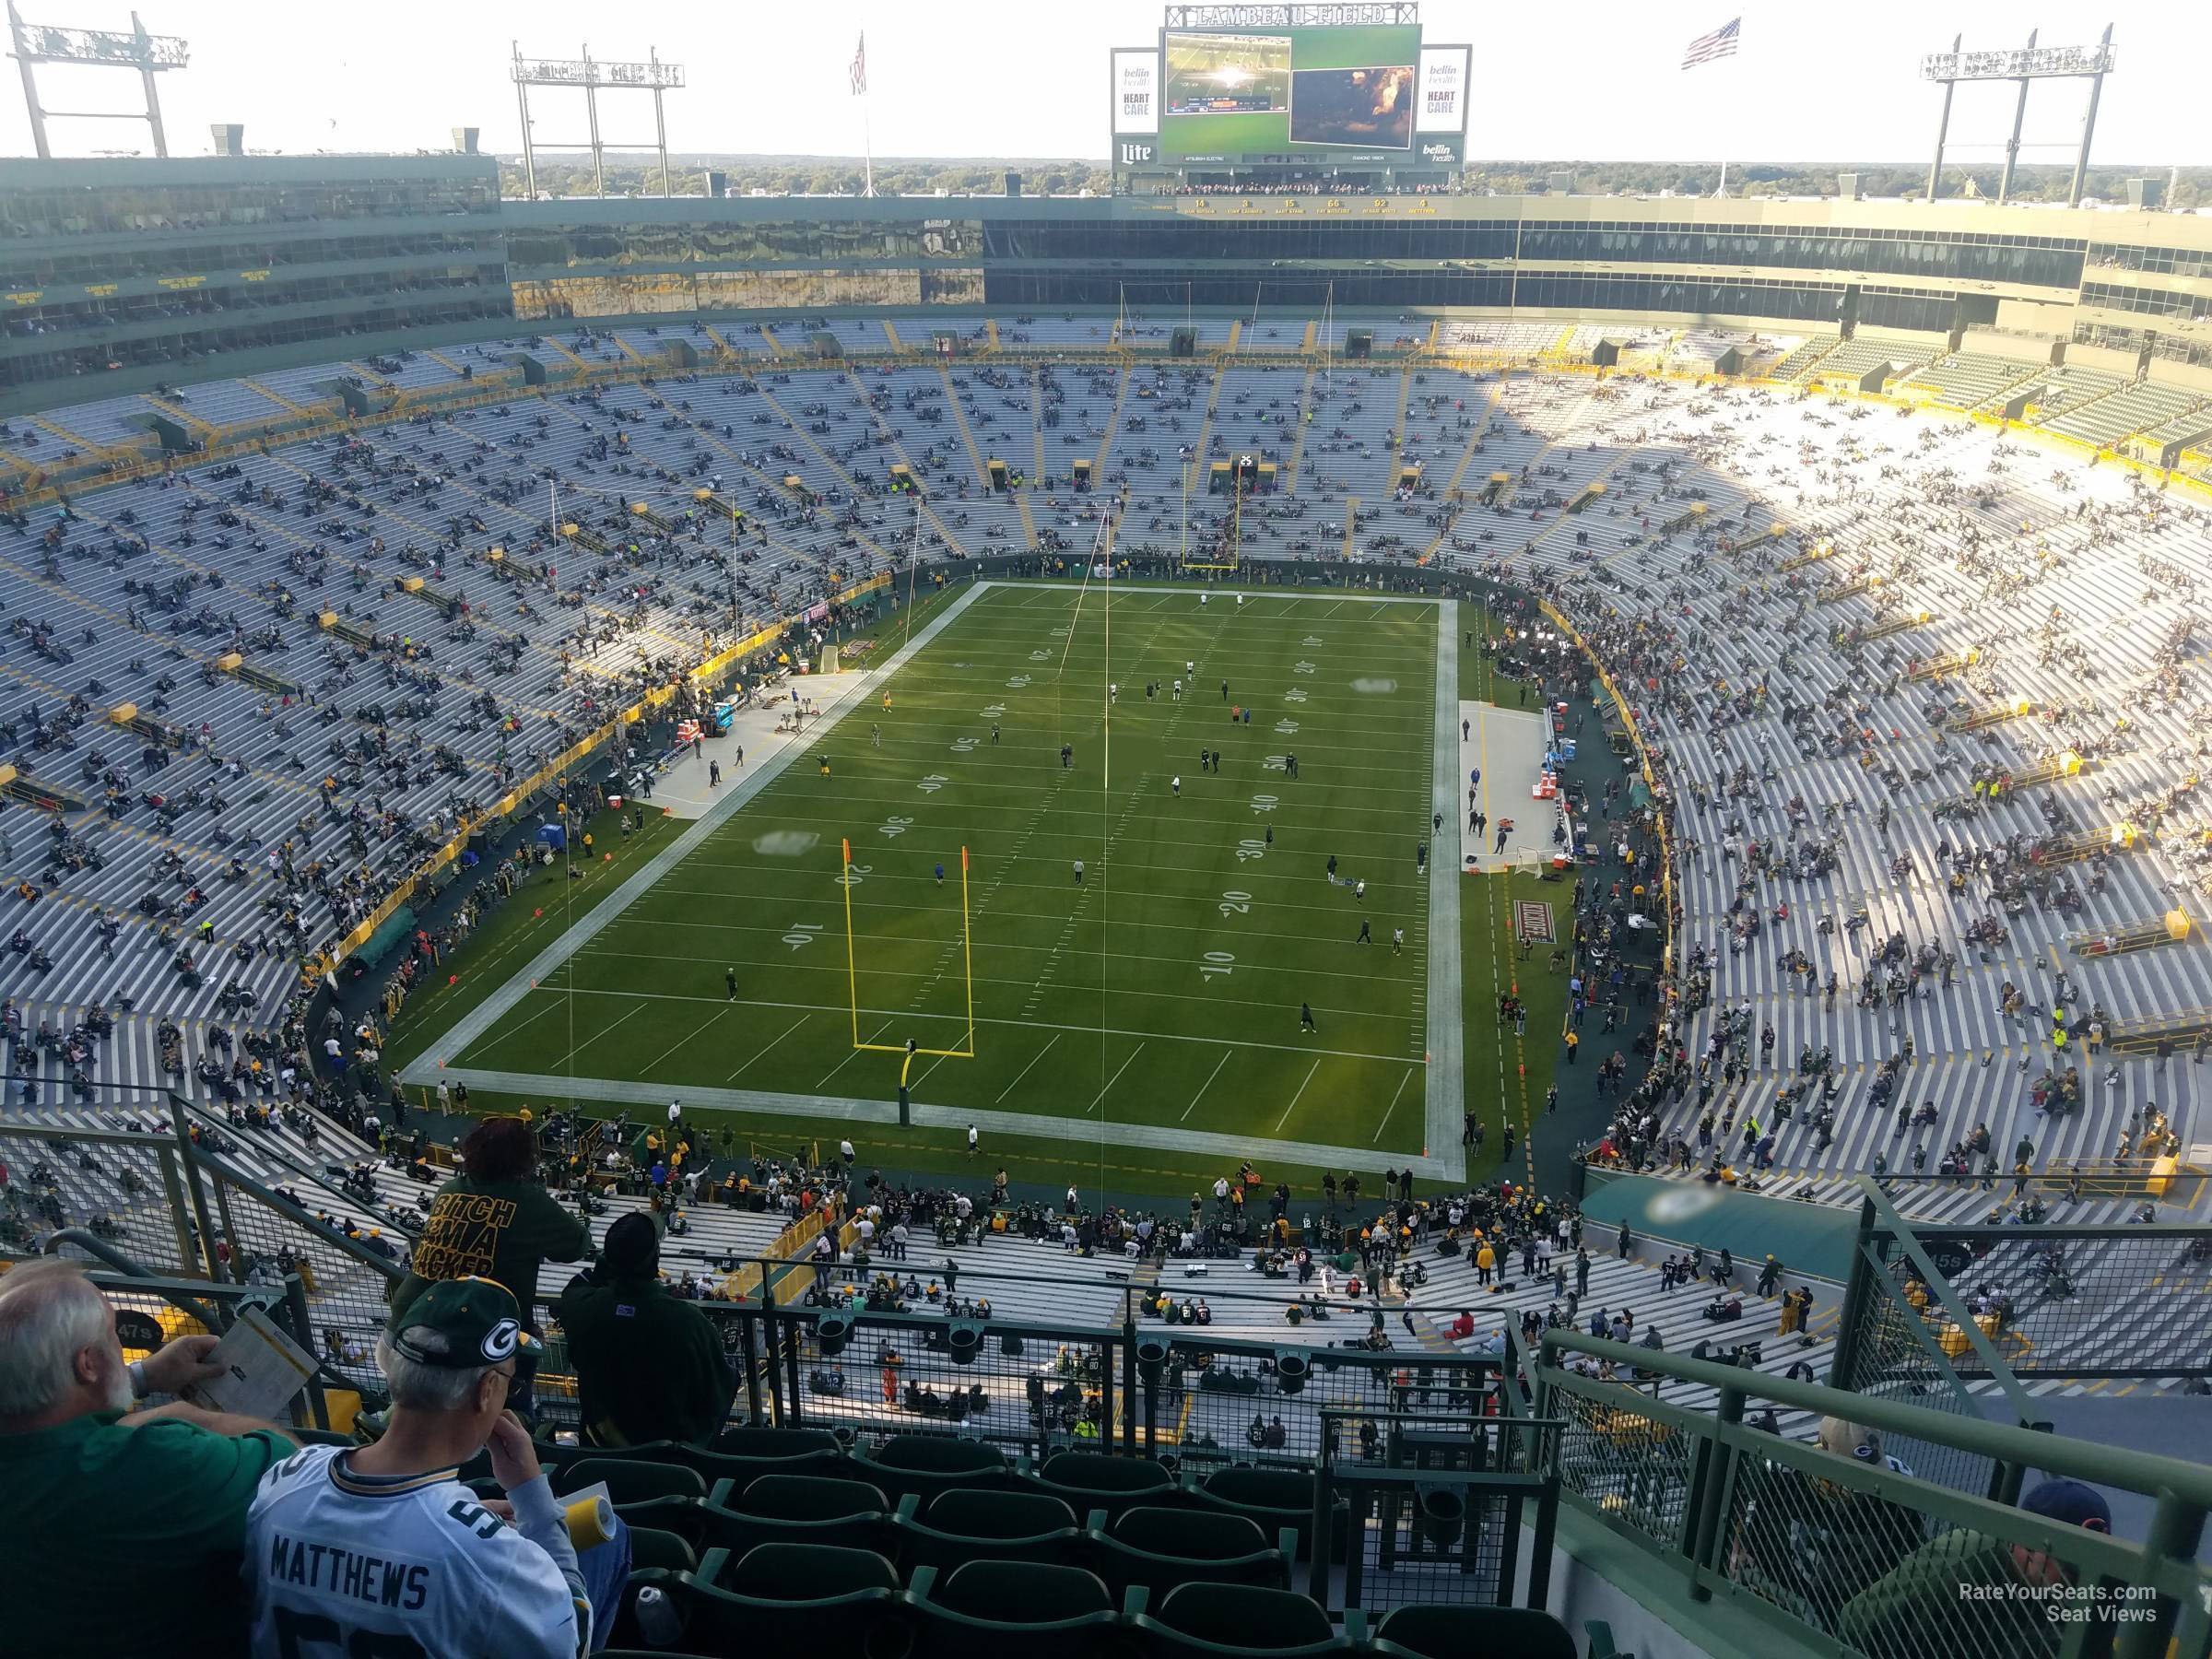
(2002, 1442)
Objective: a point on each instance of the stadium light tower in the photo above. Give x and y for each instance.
(2023, 65)
(37, 43)
(592, 76)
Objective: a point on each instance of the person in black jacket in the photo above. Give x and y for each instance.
(649, 1365)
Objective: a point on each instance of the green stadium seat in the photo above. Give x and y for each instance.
(1432, 1632)
(685, 1518)
(986, 1515)
(1203, 1620)
(722, 1465)
(795, 1598)
(925, 1465)
(1093, 1480)
(1161, 1549)
(965, 1524)
(811, 1498)
(741, 1454)
(1274, 1498)
(995, 1609)
(762, 1442)
(654, 1549)
(630, 1480)
(796, 1509)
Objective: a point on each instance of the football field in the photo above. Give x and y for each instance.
(1156, 1000)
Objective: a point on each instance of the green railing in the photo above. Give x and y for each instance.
(1850, 1556)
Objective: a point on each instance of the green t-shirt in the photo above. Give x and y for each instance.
(649, 1365)
(500, 1230)
(128, 1541)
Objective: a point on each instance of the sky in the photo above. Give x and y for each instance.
(1596, 81)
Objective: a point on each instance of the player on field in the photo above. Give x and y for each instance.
(1305, 1018)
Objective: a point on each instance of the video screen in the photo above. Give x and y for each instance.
(1371, 108)
(1227, 74)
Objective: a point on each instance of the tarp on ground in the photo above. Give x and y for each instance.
(397, 929)
(1815, 1239)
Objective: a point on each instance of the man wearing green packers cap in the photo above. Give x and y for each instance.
(347, 1546)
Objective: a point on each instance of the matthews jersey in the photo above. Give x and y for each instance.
(345, 1566)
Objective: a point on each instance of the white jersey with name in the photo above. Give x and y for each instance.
(356, 1567)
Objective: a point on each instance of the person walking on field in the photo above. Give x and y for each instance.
(1305, 1018)
(1365, 938)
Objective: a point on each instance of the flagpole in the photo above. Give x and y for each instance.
(867, 149)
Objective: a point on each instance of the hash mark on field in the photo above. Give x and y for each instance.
(1207, 1084)
(1117, 1076)
(1295, 1098)
(1025, 1070)
(1392, 1107)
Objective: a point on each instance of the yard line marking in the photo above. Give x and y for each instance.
(1207, 1085)
(879, 1031)
(1393, 1105)
(1025, 1069)
(693, 1031)
(1294, 1098)
(794, 1026)
(596, 1036)
(1117, 1078)
(982, 1020)
(500, 1035)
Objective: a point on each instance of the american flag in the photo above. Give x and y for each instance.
(1720, 43)
(860, 66)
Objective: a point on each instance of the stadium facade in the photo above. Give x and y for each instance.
(120, 275)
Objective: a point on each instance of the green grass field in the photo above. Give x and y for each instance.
(1163, 990)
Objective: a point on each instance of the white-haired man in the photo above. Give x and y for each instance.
(130, 1525)
(381, 1549)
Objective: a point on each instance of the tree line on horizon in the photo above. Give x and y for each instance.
(565, 175)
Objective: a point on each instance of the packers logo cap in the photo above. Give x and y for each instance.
(478, 1318)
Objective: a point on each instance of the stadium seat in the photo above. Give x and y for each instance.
(796, 1509)
(986, 1610)
(741, 1454)
(1161, 1549)
(1241, 1621)
(980, 1513)
(630, 1480)
(812, 1498)
(1434, 1631)
(795, 1598)
(656, 1548)
(684, 1518)
(925, 1465)
(760, 1443)
(1093, 1480)
(1274, 1498)
(966, 1523)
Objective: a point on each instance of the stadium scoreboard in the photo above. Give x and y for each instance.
(1255, 91)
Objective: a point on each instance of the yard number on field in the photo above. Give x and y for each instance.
(854, 875)
(1264, 803)
(1216, 962)
(930, 784)
(892, 828)
(802, 934)
(1234, 904)
(1252, 846)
